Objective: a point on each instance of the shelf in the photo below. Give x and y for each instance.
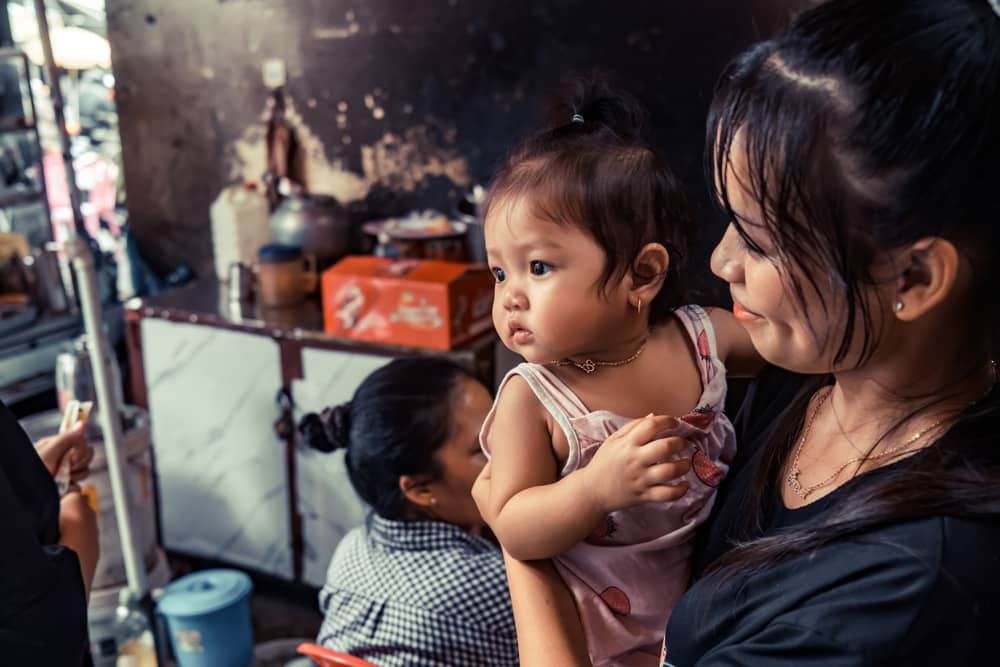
(19, 198)
(29, 388)
(14, 129)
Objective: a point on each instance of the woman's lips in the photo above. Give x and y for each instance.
(744, 315)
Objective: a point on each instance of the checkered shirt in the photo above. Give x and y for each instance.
(418, 593)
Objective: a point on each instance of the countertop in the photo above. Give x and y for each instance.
(207, 303)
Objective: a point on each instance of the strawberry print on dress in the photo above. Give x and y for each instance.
(706, 469)
(616, 599)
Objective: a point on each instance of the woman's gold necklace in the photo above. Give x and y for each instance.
(804, 492)
(588, 366)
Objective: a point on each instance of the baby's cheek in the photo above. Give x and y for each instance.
(500, 318)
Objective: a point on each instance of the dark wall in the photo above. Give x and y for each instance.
(399, 103)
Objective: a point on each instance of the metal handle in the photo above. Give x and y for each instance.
(284, 425)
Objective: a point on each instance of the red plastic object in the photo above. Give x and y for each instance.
(324, 657)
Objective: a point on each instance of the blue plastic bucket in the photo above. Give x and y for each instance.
(208, 617)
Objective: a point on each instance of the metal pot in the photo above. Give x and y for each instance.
(316, 223)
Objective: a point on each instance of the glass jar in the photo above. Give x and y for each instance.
(280, 270)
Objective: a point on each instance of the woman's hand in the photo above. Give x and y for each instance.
(633, 466)
(72, 443)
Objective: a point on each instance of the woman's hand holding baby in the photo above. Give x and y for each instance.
(635, 466)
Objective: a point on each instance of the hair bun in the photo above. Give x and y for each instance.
(593, 99)
(328, 431)
(338, 425)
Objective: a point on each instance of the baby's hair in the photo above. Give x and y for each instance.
(591, 169)
(400, 416)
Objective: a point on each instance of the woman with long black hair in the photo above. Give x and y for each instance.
(855, 155)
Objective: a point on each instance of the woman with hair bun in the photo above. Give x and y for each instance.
(416, 584)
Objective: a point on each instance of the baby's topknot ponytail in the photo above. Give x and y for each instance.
(591, 169)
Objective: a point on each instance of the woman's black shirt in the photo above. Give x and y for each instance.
(918, 592)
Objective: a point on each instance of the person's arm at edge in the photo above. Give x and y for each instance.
(549, 632)
(78, 531)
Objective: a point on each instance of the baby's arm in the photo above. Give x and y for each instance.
(536, 515)
(735, 347)
(532, 515)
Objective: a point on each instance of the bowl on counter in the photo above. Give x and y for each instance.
(419, 235)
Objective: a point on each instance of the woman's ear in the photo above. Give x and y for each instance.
(930, 269)
(417, 491)
(647, 274)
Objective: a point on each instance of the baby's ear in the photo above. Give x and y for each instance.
(649, 269)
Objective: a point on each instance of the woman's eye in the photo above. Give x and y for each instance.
(751, 247)
(540, 268)
(498, 274)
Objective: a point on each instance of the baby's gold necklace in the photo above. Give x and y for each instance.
(588, 366)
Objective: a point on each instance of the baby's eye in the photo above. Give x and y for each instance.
(498, 274)
(540, 268)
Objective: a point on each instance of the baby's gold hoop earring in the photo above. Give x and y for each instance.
(638, 307)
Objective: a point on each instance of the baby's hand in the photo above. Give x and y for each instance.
(630, 467)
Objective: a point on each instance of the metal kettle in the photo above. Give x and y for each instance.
(316, 223)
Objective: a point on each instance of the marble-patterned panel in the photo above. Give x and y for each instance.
(221, 469)
(327, 502)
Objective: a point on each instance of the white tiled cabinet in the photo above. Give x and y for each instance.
(221, 469)
(326, 501)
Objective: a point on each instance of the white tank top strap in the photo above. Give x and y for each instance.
(699, 327)
(557, 398)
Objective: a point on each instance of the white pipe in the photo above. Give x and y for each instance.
(108, 408)
(55, 93)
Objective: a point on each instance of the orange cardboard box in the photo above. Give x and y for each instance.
(420, 303)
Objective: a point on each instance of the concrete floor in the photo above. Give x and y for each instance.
(284, 614)
(281, 615)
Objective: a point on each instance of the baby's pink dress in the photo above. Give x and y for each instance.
(628, 575)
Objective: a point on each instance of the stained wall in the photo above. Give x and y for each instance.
(398, 104)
